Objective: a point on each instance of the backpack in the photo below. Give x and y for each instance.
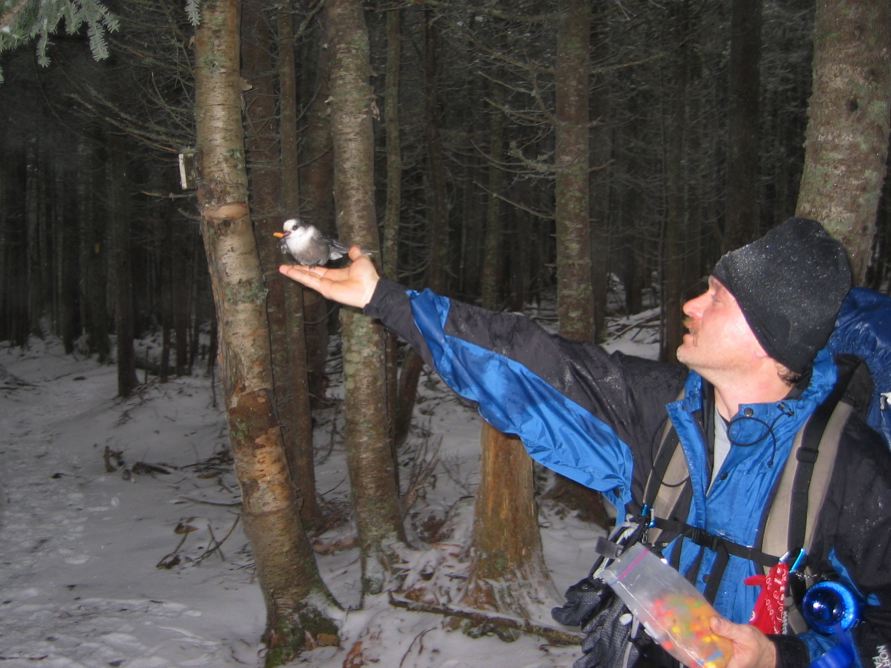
(863, 329)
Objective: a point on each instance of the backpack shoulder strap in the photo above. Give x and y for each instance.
(805, 480)
(667, 490)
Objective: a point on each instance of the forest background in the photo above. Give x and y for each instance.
(506, 153)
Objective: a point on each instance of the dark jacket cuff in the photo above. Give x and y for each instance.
(791, 652)
(385, 292)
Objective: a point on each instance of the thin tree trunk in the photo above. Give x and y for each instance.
(266, 180)
(32, 221)
(369, 448)
(601, 152)
(296, 598)
(490, 276)
(848, 123)
(302, 459)
(574, 298)
(390, 242)
(122, 282)
(676, 213)
(317, 185)
(507, 570)
(741, 224)
(93, 253)
(64, 223)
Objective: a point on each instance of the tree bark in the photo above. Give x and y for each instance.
(675, 182)
(390, 233)
(303, 455)
(741, 220)
(575, 304)
(122, 277)
(491, 274)
(369, 448)
(317, 185)
(287, 345)
(575, 295)
(93, 254)
(295, 595)
(846, 145)
(507, 571)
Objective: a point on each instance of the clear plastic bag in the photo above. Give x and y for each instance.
(671, 609)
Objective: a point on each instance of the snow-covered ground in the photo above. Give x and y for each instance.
(120, 543)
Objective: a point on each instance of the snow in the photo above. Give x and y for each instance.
(120, 543)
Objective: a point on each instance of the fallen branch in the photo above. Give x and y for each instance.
(218, 544)
(553, 635)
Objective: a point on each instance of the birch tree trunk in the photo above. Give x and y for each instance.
(369, 449)
(297, 601)
(846, 144)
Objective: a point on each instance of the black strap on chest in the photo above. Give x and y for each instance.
(787, 522)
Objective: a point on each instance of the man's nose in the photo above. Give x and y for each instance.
(693, 307)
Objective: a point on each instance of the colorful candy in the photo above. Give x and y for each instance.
(674, 613)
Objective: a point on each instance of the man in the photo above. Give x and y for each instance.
(757, 372)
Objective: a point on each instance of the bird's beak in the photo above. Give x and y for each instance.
(279, 235)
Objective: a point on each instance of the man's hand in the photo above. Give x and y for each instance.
(751, 648)
(352, 285)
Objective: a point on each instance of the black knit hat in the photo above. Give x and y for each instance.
(790, 284)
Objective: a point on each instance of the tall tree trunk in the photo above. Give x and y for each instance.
(33, 221)
(438, 224)
(317, 185)
(741, 224)
(303, 459)
(675, 184)
(848, 123)
(64, 222)
(574, 298)
(492, 261)
(390, 243)
(601, 153)
(369, 450)
(263, 152)
(93, 252)
(15, 291)
(507, 571)
(295, 595)
(437, 206)
(122, 276)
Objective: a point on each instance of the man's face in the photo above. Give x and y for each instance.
(718, 338)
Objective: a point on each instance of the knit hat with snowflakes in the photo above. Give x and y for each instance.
(790, 284)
